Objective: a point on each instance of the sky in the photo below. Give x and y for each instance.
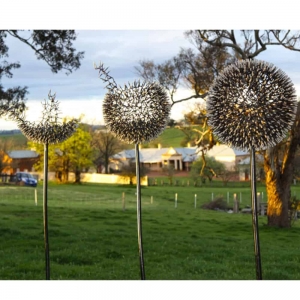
(81, 93)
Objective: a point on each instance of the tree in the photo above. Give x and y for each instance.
(105, 145)
(5, 161)
(129, 171)
(72, 155)
(169, 171)
(55, 47)
(172, 123)
(195, 70)
(278, 161)
(206, 168)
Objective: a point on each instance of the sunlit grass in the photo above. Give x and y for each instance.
(91, 237)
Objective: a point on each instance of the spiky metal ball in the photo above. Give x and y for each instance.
(251, 104)
(49, 130)
(136, 113)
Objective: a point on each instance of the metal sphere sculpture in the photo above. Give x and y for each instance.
(49, 130)
(136, 113)
(251, 104)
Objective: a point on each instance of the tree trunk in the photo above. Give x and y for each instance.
(106, 164)
(278, 166)
(278, 190)
(77, 175)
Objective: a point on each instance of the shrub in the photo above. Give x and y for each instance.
(217, 203)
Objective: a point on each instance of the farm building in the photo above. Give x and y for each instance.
(181, 158)
(22, 160)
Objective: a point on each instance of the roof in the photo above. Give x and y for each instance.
(22, 154)
(224, 150)
(247, 160)
(152, 155)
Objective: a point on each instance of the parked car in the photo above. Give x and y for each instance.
(23, 178)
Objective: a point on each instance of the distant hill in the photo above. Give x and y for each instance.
(10, 132)
(19, 140)
(170, 137)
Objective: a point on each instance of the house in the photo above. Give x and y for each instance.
(181, 158)
(230, 157)
(244, 167)
(155, 158)
(22, 160)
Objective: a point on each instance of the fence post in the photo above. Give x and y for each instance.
(235, 204)
(212, 196)
(151, 201)
(227, 197)
(35, 197)
(176, 200)
(123, 200)
(258, 199)
(195, 200)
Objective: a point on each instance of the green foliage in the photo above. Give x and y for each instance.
(72, 155)
(169, 171)
(105, 145)
(55, 47)
(129, 171)
(294, 207)
(206, 169)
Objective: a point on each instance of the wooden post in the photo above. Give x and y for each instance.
(227, 197)
(195, 200)
(241, 197)
(35, 197)
(258, 199)
(151, 201)
(212, 196)
(176, 200)
(123, 200)
(235, 204)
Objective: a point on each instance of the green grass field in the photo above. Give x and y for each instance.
(92, 238)
(170, 137)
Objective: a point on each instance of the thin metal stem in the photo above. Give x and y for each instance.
(254, 217)
(45, 211)
(139, 211)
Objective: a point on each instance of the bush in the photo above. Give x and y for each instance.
(294, 206)
(217, 203)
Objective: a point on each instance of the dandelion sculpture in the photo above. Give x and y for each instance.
(49, 131)
(136, 113)
(251, 106)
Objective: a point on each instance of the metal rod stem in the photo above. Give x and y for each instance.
(45, 211)
(139, 211)
(255, 217)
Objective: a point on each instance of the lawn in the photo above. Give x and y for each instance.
(92, 238)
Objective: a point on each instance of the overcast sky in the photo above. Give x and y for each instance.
(82, 91)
